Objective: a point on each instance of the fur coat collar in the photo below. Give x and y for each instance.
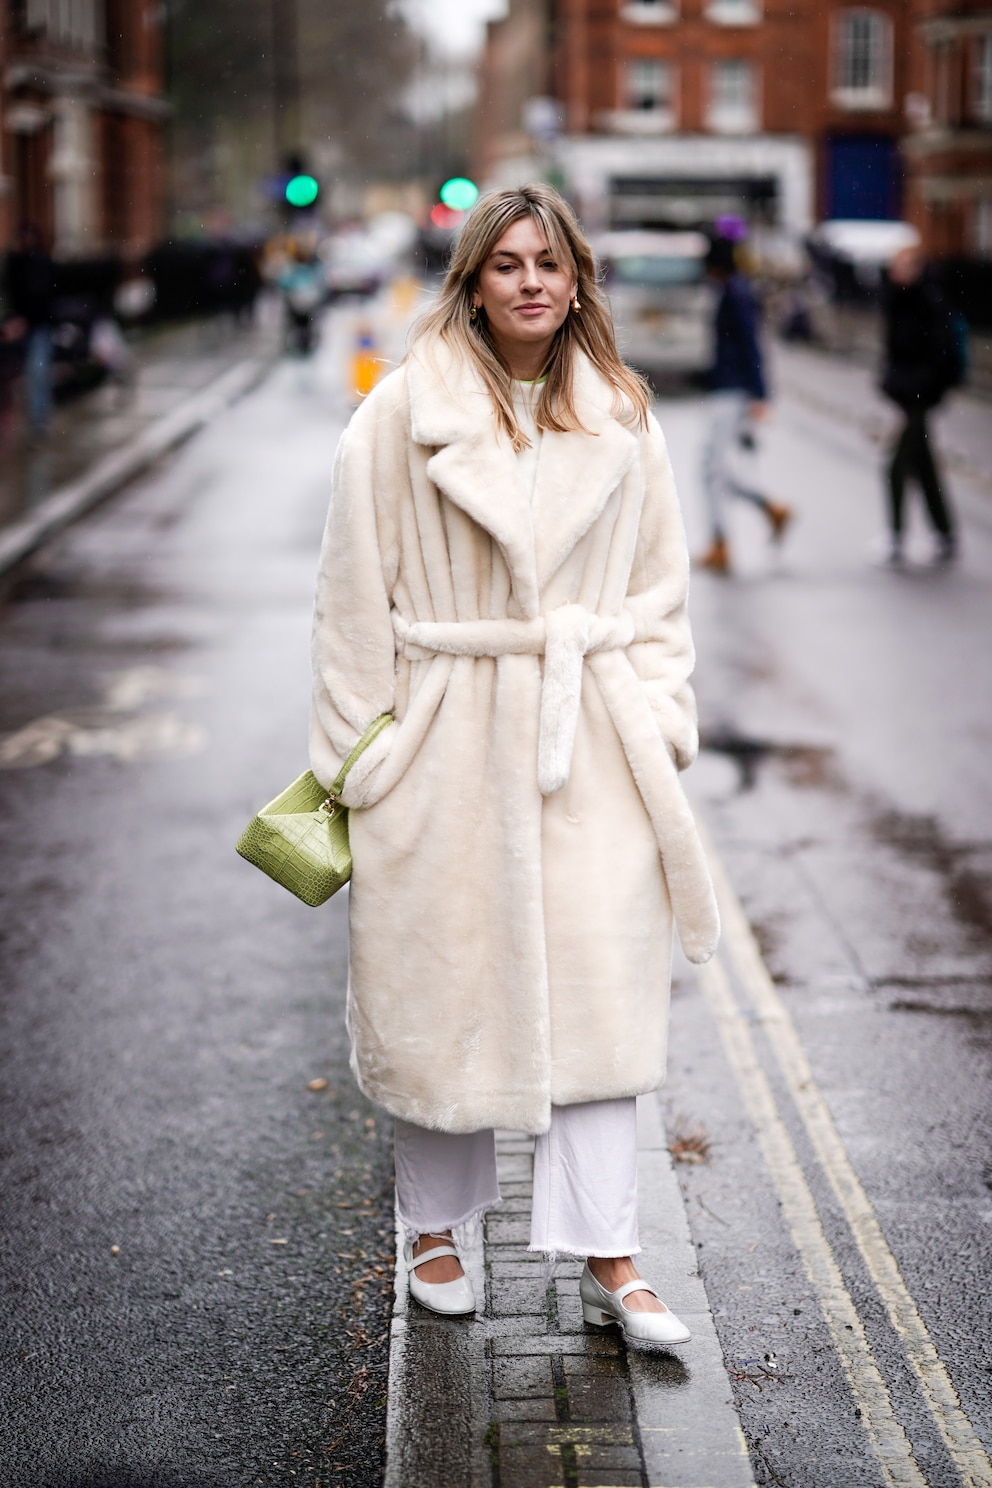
(476, 466)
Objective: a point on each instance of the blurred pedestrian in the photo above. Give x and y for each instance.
(31, 297)
(922, 364)
(10, 370)
(303, 283)
(504, 572)
(737, 400)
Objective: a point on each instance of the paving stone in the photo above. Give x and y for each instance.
(574, 1433)
(570, 1318)
(506, 1269)
(534, 1409)
(598, 1398)
(594, 1368)
(597, 1477)
(516, 1190)
(506, 1229)
(520, 1326)
(516, 1378)
(567, 1344)
(512, 1297)
(531, 1467)
(515, 1204)
(515, 1167)
(513, 1253)
(593, 1458)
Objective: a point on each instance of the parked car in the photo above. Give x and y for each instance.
(656, 283)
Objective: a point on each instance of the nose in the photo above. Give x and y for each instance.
(530, 279)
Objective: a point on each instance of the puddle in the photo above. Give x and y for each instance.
(43, 585)
(935, 1009)
(967, 890)
(807, 766)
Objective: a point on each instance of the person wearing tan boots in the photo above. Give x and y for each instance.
(737, 398)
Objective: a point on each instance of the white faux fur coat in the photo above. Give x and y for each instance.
(522, 842)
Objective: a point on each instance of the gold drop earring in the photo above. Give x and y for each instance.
(473, 313)
(575, 304)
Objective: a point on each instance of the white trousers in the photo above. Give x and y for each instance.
(727, 416)
(585, 1179)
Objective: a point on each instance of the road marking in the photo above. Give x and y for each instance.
(889, 1441)
(86, 732)
(959, 1436)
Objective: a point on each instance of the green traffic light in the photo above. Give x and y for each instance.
(302, 191)
(459, 194)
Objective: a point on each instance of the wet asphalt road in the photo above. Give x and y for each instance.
(165, 1008)
(848, 718)
(197, 1248)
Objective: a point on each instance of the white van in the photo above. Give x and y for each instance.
(656, 284)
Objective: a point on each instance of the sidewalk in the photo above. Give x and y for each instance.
(848, 392)
(102, 439)
(525, 1395)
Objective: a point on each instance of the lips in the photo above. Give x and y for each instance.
(531, 309)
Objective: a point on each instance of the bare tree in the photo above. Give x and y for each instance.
(256, 80)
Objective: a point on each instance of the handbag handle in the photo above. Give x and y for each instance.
(372, 732)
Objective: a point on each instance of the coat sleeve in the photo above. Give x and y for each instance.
(662, 652)
(353, 648)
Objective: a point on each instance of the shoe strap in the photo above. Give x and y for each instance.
(432, 1255)
(634, 1286)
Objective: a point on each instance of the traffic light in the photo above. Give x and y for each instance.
(457, 197)
(460, 194)
(301, 191)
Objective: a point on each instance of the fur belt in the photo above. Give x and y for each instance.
(564, 637)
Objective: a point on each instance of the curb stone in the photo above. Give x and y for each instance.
(77, 497)
(526, 1396)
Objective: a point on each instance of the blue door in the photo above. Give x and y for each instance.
(863, 177)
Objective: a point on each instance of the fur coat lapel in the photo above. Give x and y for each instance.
(476, 467)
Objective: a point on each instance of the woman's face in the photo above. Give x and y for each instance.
(525, 294)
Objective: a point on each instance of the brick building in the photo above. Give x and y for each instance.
(512, 110)
(785, 110)
(948, 150)
(81, 123)
(673, 111)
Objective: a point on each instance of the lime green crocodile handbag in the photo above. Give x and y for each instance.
(301, 838)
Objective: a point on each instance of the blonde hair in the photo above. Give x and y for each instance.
(590, 330)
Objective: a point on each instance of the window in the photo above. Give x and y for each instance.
(733, 97)
(733, 12)
(981, 78)
(649, 85)
(862, 59)
(70, 22)
(649, 12)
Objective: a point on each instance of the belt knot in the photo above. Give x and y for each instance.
(564, 637)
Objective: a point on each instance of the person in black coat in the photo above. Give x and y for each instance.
(921, 365)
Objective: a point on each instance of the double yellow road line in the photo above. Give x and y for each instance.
(735, 1020)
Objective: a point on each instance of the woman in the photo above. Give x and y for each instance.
(504, 571)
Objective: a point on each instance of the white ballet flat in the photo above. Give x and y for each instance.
(450, 1298)
(601, 1308)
